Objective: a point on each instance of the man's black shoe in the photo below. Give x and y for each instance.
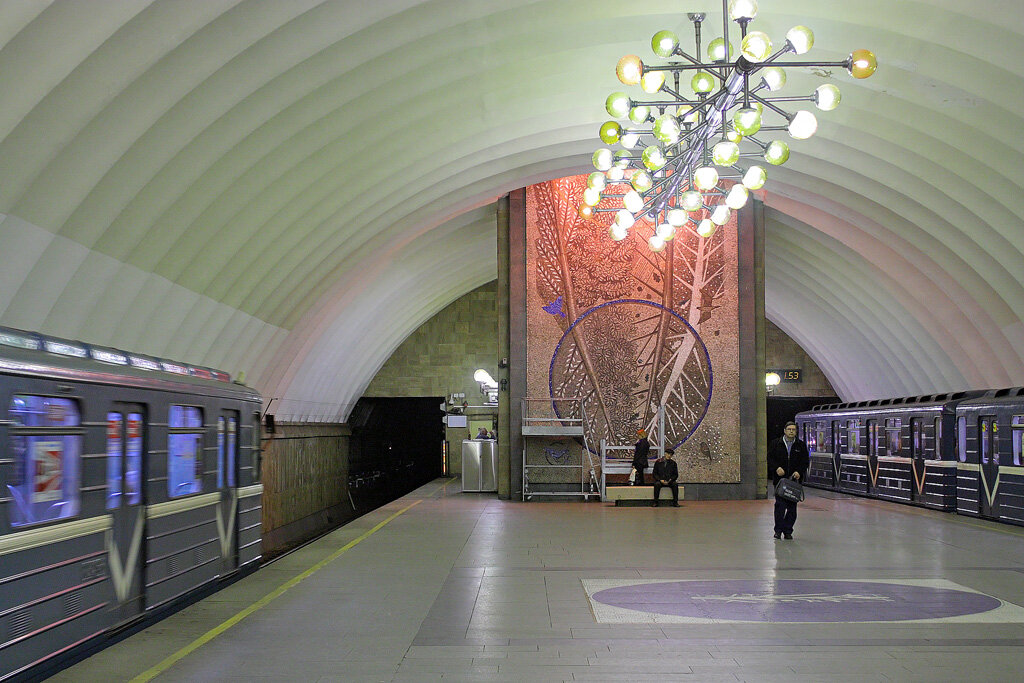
(788, 537)
(776, 535)
(675, 505)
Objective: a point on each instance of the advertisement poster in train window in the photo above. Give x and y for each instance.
(48, 458)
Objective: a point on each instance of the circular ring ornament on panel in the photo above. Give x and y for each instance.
(625, 358)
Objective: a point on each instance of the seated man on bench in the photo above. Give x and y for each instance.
(665, 474)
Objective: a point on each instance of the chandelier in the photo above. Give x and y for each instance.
(675, 151)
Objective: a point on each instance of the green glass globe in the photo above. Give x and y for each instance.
(774, 77)
(777, 153)
(654, 158)
(622, 158)
(725, 153)
(691, 201)
(664, 43)
(617, 105)
(755, 178)
(602, 159)
(756, 46)
(652, 81)
(639, 114)
(666, 129)
(597, 180)
(641, 181)
(705, 178)
(801, 39)
(610, 131)
(716, 50)
(826, 97)
(747, 121)
(591, 196)
(702, 82)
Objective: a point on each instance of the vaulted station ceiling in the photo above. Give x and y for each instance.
(289, 188)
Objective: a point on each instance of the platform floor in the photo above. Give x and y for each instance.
(442, 585)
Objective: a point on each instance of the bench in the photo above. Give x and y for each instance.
(637, 495)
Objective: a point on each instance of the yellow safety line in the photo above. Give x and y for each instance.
(152, 673)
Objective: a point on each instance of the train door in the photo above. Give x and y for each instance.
(125, 449)
(988, 449)
(917, 461)
(227, 485)
(872, 455)
(837, 458)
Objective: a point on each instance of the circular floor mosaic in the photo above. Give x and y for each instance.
(794, 600)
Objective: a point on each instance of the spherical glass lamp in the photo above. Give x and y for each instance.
(801, 39)
(803, 125)
(586, 212)
(652, 81)
(633, 202)
(742, 9)
(862, 63)
(725, 153)
(705, 177)
(687, 114)
(591, 196)
(664, 44)
(756, 46)
(706, 228)
(747, 121)
(755, 178)
(654, 157)
(629, 69)
(656, 243)
(665, 231)
(737, 197)
(721, 215)
(666, 129)
(774, 77)
(702, 82)
(691, 201)
(617, 105)
(624, 219)
(617, 232)
(610, 131)
(597, 181)
(716, 50)
(622, 159)
(639, 114)
(629, 139)
(641, 181)
(732, 135)
(616, 174)
(677, 217)
(603, 159)
(777, 153)
(826, 97)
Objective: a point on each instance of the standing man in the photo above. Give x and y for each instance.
(665, 474)
(640, 451)
(787, 457)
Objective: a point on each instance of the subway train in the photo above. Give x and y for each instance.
(128, 485)
(960, 452)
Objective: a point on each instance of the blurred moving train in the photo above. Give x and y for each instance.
(960, 452)
(128, 484)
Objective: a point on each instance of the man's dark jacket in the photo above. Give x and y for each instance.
(666, 469)
(640, 451)
(795, 460)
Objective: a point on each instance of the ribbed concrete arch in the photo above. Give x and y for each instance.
(290, 187)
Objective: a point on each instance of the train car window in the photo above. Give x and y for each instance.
(133, 463)
(115, 425)
(961, 439)
(853, 437)
(872, 437)
(984, 440)
(232, 453)
(893, 438)
(937, 443)
(916, 438)
(220, 452)
(1017, 429)
(257, 451)
(184, 451)
(995, 441)
(46, 445)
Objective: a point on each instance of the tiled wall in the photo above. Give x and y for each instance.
(441, 356)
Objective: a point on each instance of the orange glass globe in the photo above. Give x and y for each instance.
(862, 63)
(586, 212)
(629, 69)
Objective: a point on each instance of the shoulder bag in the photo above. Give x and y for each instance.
(789, 489)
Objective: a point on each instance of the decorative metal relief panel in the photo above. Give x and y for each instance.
(629, 329)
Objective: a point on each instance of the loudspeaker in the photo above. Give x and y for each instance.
(268, 421)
